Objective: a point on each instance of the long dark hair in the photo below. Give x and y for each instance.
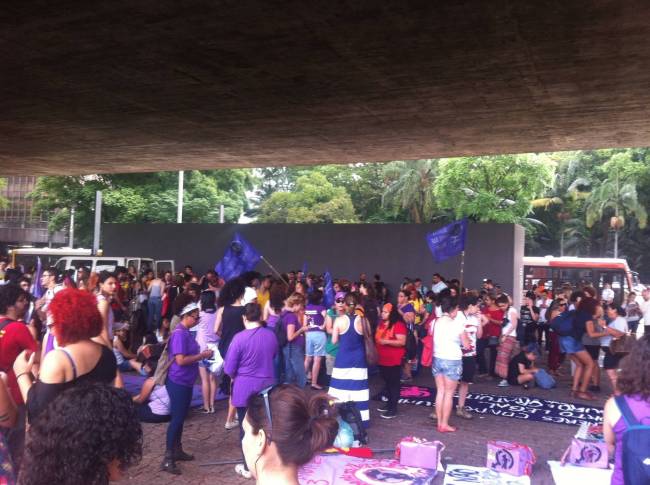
(232, 291)
(635, 370)
(208, 301)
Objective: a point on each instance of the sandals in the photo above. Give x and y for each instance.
(585, 396)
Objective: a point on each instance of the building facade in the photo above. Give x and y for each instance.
(18, 225)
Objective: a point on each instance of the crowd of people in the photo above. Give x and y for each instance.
(263, 340)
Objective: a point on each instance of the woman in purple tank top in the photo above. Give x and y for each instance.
(633, 384)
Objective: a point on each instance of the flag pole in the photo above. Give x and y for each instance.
(274, 270)
(462, 270)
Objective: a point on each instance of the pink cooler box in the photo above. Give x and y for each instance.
(419, 453)
(512, 458)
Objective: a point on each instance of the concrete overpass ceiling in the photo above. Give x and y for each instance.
(91, 87)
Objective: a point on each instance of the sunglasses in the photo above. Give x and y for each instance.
(340, 300)
(267, 406)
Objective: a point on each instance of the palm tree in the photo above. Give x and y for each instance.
(619, 198)
(410, 188)
(568, 188)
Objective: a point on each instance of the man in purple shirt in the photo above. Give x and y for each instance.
(249, 363)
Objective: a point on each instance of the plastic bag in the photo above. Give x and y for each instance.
(215, 364)
(345, 436)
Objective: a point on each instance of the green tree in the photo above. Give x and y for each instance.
(493, 189)
(409, 187)
(313, 199)
(141, 198)
(616, 197)
(3, 201)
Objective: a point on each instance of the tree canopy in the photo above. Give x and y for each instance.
(147, 197)
(573, 203)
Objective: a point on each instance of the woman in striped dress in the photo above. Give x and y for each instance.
(350, 375)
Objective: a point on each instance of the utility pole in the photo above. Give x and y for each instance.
(179, 215)
(71, 241)
(98, 221)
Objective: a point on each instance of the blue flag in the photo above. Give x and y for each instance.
(448, 241)
(239, 258)
(328, 291)
(37, 289)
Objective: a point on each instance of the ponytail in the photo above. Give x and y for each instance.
(323, 423)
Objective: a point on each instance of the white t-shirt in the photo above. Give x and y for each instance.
(510, 330)
(446, 338)
(470, 324)
(608, 295)
(159, 401)
(438, 287)
(542, 309)
(620, 324)
(645, 308)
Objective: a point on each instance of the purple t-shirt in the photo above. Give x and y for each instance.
(314, 316)
(182, 343)
(249, 362)
(290, 318)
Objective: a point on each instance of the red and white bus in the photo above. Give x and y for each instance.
(555, 272)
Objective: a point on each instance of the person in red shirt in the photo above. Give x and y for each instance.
(492, 330)
(391, 341)
(14, 338)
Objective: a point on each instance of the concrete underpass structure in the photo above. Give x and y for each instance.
(91, 87)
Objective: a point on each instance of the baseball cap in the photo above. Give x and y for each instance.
(340, 294)
(190, 307)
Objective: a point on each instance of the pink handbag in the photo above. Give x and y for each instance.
(512, 458)
(419, 453)
(587, 453)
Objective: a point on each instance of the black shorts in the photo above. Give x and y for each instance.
(611, 361)
(594, 351)
(469, 369)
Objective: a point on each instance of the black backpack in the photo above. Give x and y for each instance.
(281, 332)
(411, 344)
(636, 446)
(351, 415)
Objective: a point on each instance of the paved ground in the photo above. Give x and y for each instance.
(206, 437)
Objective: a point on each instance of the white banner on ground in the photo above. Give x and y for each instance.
(464, 474)
(570, 475)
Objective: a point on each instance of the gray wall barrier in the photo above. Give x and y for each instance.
(392, 250)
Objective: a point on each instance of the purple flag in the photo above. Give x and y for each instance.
(328, 291)
(37, 289)
(448, 241)
(240, 257)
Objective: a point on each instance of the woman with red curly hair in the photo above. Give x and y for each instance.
(75, 322)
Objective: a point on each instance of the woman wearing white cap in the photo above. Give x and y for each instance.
(184, 353)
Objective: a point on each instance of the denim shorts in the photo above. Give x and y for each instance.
(570, 345)
(315, 346)
(451, 369)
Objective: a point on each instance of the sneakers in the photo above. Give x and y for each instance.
(461, 412)
(503, 383)
(231, 424)
(240, 470)
(388, 415)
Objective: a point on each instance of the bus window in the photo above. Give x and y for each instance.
(60, 265)
(78, 263)
(106, 265)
